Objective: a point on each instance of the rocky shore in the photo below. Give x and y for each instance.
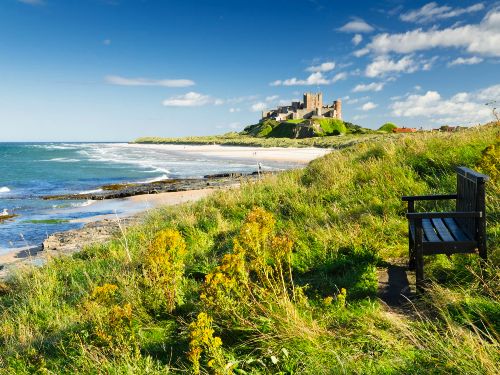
(103, 229)
(163, 186)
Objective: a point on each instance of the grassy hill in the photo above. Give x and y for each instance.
(271, 133)
(279, 276)
(303, 128)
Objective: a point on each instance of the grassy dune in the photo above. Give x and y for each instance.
(276, 277)
(235, 139)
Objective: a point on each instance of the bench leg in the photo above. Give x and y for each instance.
(411, 242)
(419, 256)
(411, 253)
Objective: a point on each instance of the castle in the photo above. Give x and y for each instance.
(312, 107)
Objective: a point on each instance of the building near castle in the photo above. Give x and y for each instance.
(312, 107)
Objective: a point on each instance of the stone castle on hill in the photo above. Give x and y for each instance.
(312, 107)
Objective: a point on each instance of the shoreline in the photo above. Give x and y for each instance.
(135, 200)
(299, 155)
(96, 229)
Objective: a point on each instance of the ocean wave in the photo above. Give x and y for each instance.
(158, 170)
(90, 191)
(154, 179)
(4, 189)
(82, 204)
(56, 147)
(63, 160)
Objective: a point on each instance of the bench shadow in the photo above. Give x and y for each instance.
(394, 288)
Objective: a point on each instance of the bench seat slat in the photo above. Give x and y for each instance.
(442, 231)
(429, 231)
(455, 230)
(455, 233)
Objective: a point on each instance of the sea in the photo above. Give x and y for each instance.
(29, 171)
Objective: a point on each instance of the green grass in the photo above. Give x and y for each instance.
(345, 217)
(47, 221)
(235, 139)
(296, 121)
(332, 126)
(388, 127)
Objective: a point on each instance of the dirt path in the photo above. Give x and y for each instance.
(396, 286)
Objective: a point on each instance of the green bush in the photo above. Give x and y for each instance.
(388, 127)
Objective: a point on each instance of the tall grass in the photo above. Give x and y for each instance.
(147, 302)
(236, 139)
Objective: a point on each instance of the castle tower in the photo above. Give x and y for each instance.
(313, 101)
(337, 106)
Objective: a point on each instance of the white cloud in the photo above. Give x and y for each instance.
(272, 98)
(191, 99)
(106, 42)
(489, 93)
(368, 106)
(314, 79)
(461, 108)
(427, 64)
(122, 81)
(466, 61)
(374, 86)
(234, 110)
(482, 38)
(361, 52)
(383, 65)
(356, 26)
(432, 11)
(339, 77)
(325, 67)
(258, 107)
(32, 2)
(241, 99)
(356, 39)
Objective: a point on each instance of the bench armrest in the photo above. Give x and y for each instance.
(429, 197)
(442, 215)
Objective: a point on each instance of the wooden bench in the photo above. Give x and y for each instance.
(460, 231)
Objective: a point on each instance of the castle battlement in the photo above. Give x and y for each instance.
(311, 107)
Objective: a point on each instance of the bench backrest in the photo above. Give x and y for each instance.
(471, 197)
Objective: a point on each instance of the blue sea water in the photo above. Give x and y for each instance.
(29, 171)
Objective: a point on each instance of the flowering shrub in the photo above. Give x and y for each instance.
(490, 161)
(104, 293)
(202, 339)
(163, 269)
(256, 269)
(109, 322)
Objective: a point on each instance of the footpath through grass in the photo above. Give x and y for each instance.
(276, 277)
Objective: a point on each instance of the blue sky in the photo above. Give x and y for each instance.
(113, 70)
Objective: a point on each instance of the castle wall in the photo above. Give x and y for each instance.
(312, 107)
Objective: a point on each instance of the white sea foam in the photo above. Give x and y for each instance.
(83, 204)
(4, 189)
(90, 191)
(154, 179)
(63, 160)
(62, 146)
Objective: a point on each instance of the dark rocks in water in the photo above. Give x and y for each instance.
(72, 241)
(7, 217)
(164, 186)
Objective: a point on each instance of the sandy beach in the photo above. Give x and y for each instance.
(297, 155)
